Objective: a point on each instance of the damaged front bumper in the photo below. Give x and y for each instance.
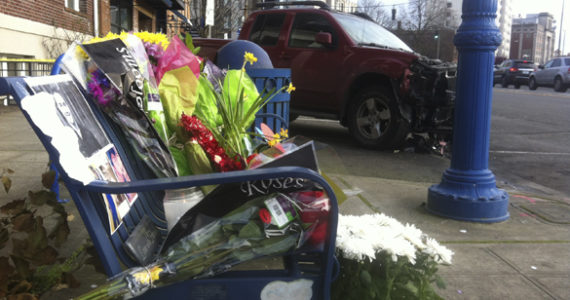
(429, 105)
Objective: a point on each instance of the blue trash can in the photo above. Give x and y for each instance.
(276, 113)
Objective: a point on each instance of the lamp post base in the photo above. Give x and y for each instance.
(468, 196)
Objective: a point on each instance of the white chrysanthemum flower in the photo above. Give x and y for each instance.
(361, 237)
(414, 236)
(441, 254)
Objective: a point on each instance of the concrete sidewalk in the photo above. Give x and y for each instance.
(525, 257)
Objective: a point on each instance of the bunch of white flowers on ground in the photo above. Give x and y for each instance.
(381, 258)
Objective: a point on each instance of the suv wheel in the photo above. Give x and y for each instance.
(375, 121)
(504, 82)
(559, 86)
(532, 84)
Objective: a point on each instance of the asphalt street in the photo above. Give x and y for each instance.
(530, 138)
(530, 145)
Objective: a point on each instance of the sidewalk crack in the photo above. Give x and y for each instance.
(510, 264)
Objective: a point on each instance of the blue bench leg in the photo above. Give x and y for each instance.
(55, 185)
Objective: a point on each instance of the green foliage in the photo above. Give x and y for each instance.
(385, 279)
(189, 44)
(33, 264)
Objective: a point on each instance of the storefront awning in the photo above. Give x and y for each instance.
(169, 4)
(182, 17)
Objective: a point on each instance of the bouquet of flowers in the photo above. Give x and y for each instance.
(181, 114)
(268, 225)
(381, 258)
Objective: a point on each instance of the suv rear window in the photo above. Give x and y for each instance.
(265, 30)
(527, 64)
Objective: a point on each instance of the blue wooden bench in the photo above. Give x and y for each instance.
(315, 266)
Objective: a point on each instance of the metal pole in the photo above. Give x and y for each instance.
(468, 188)
(560, 29)
(437, 55)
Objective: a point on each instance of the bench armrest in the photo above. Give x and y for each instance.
(158, 184)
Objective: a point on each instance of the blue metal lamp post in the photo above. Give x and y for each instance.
(468, 188)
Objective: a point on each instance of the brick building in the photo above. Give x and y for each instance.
(533, 38)
(42, 29)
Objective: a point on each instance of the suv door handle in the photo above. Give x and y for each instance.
(285, 56)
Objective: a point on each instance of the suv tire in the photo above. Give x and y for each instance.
(504, 82)
(532, 84)
(374, 119)
(559, 86)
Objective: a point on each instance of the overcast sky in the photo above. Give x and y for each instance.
(524, 7)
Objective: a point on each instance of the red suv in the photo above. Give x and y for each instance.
(348, 68)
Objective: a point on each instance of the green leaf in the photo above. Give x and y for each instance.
(23, 222)
(41, 197)
(439, 282)
(7, 182)
(22, 266)
(37, 238)
(19, 247)
(61, 232)
(365, 277)
(6, 269)
(251, 230)
(46, 256)
(20, 290)
(4, 236)
(48, 178)
(188, 42)
(70, 280)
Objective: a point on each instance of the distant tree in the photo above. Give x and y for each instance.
(422, 21)
(375, 10)
(423, 15)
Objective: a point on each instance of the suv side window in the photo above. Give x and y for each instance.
(567, 61)
(265, 30)
(305, 26)
(548, 64)
(555, 63)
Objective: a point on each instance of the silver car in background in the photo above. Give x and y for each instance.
(555, 73)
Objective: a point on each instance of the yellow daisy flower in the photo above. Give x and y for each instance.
(249, 57)
(284, 133)
(290, 88)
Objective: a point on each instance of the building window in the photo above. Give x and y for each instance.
(121, 15)
(72, 4)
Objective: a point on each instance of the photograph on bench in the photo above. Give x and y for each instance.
(86, 153)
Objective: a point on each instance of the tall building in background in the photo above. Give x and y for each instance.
(533, 38)
(343, 5)
(504, 21)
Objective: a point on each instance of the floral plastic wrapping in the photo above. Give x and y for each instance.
(151, 101)
(274, 224)
(118, 87)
